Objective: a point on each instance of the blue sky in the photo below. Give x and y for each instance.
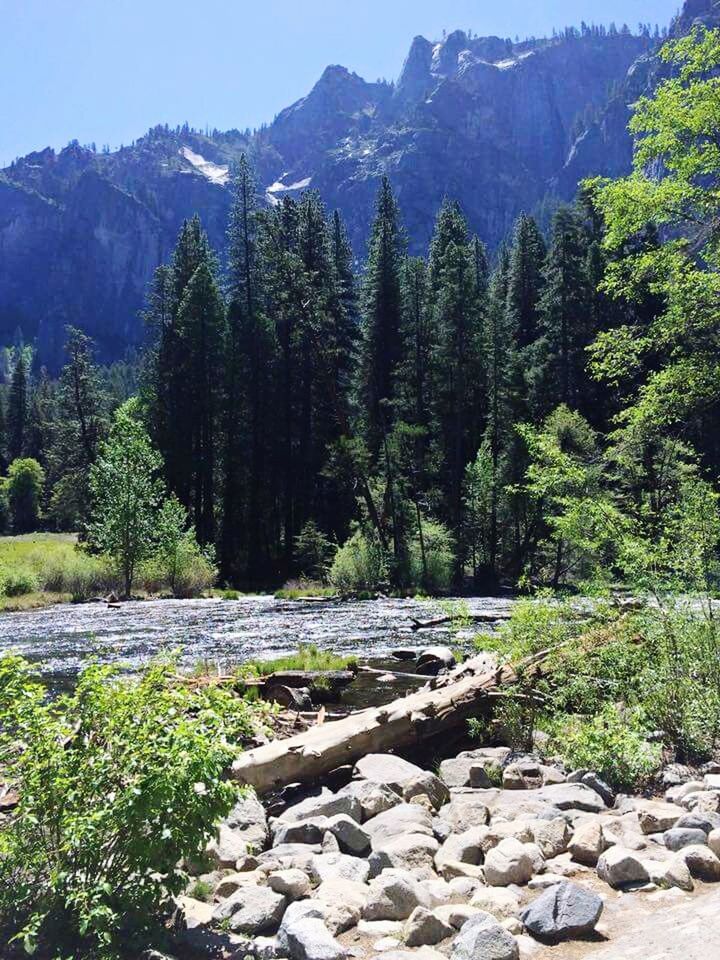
(106, 70)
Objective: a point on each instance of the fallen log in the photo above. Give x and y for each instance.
(441, 621)
(445, 704)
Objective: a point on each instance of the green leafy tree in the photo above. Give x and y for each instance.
(176, 549)
(25, 485)
(126, 493)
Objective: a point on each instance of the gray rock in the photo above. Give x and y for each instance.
(374, 798)
(587, 843)
(249, 818)
(551, 836)
(326, 804)
(343, 902)
(655, 816)
(466, 810)
(564, 912)
(393, 896)
(619, 867)
(697, 821)
(428, 785)
(498, 901)
(399, 821)
(462, 847)
(597, 784)
(483, 938)
(292, 884)
(702, 863)
(349, 834)
(304, 936)
(464, 772)
(524, 774)
(251, 910)
(415, 852)
(572, 796)
(713, 841)
(509, 862)
(340, 866)
(227, 847)
(385, 768)
(677, 838)
(299, 831)
(424, 928)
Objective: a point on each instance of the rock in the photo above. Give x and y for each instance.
(399, 821)
(251, 910)
(196, 913)
(456, 914)
(587, 843)
(325, 804)
(249, 818)
(465, 811)
(292, 884)
(227, 848)
(702, 802)
(454, 869)
(483, 938)
(441, 829)
(499, 901)
(572, 796)
(509, 862)
(551, 836)
(564, 912)
(712, 781)
(545, 880)
(393, 896)
(414, 852)
(463, 847)
(656, 816)
(304, 936)
(702, 863)
(597, 784)
(385, 768)
(227, 885)
(677, 793)
(513, 926)
(518, 804)
(697, 821)
(428, 785)
(675, 873)
(677, 838)
(463, 887)
(340, 866)
(343, 903)
(713, 841)
(434, 660)
(624, 832)
(523, 775)
(464, 772)
(439, 892)
(299, 831)
(329, 843)
(619, 867)
(374, 798)
(349, 834)
(424, 928)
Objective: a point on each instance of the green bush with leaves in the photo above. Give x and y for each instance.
(16, 581)
(360, 565)
(432, 558)
(25, 485)
(119, 782)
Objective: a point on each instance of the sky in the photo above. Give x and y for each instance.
(105, 71)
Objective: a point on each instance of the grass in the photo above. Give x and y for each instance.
(297, 589)
(308, 658)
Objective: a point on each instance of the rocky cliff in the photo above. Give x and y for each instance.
(490, 122)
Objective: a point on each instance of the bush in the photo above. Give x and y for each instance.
(313, 551)
(80, 574)
(18, 581)
(119, 782)
(359, 565)
(613, 743)
(26, 479)
(435, 574)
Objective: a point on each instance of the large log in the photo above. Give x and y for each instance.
(443, 705)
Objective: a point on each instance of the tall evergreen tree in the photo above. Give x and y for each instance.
(17, 413)
(525, 281)
(382, 319)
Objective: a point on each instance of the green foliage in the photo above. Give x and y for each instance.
(313, 551)
(359, 565)
(17, 581)
(25, 484)
(432, 557)
(309, 657)
(119, 782)
(181, 563)
(612, 743)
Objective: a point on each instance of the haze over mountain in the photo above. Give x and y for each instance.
(503, 127)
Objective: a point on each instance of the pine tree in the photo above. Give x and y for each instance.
(17, 413)
(525, 281)
(382, 319)
(3, 437)
(40, 420)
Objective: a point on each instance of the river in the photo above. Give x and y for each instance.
(223, 632)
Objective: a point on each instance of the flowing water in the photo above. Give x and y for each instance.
(223, 633)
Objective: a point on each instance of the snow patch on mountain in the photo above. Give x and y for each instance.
(212, 171)
(275, 190)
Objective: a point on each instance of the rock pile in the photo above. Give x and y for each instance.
(401, 863)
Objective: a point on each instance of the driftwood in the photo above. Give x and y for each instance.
(473, 617)
(445, 704)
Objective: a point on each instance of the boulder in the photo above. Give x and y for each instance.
(703, 802)
(587, 843)
(426, 784)
(698, 821)
(251, 910)
(304, 936)
(675, 873)
(702, 863)
(425, 928)
(325, 804)
(385, 768)
(299, 831)
(680, 791)
(565, 911)
(524, 774)
(463, 847)
(374, 798)
(227, 847)
(655, 816)
(483, 938)
(680, 837)
(340, 866)
(619, 867)
(713, 841)
(414, 852)
(551, 836)
(454, 869)
(343, 902)
(572, 796)
(293, 884)
(597, 784)
(465, 811)
(393, 896)
(499, 901)
(465, 772)
(349, 834)
(399, 821)
(434, 660)
(509, 862)
(249, 818)
(230, 882)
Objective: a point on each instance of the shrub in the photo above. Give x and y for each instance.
(313, 551)
(613, 743)
(80, 574)
(17, 581)
(26, 479)
(118, 783)
(435, 573)
(359, 565)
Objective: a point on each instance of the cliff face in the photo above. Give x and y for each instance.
(491, 123)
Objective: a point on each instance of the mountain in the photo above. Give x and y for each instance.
(503, 127)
